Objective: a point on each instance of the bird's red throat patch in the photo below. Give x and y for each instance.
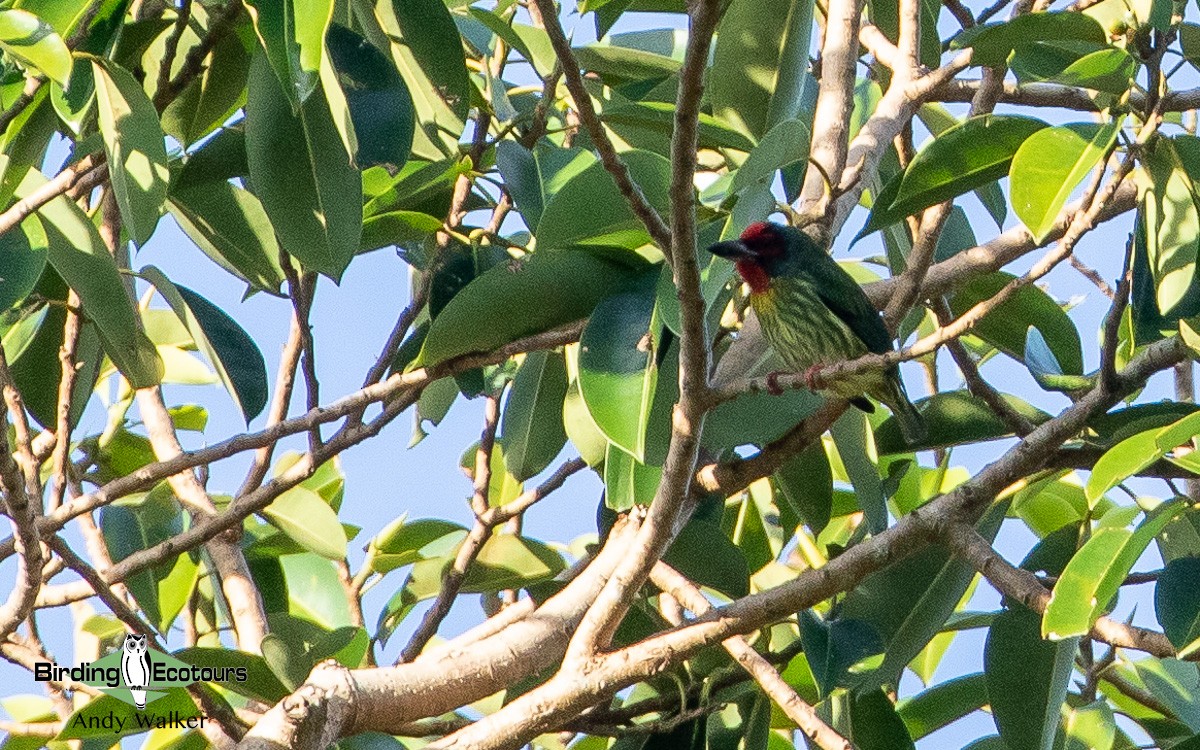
(754, 275)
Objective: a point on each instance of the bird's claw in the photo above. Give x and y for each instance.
(812, 378)
(773, 386)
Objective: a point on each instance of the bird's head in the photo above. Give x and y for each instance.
(762, 252)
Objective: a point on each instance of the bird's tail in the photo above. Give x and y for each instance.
(912, 424)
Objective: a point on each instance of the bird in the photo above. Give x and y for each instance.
(813, 314)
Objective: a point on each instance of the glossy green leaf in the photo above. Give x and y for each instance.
(757, 78)
(404, 542)
(660, 118)
(1095, 573)
(566, 285)
(849, 434)
(35, 43)
(1123, 460)
(77, 253)
(1111, 70)
(942, 704)
(534, 177)
(301, 173)
(292, 33)
(1027, 679)
(806, 483)
(231, 227)
(994, 42)
(227, 346)
(1171, 224)
(380, 105)
(214, 96)
(784, 145)
(306, 518)
(833, 647)
(617, 371)
(532, 427)
(756, 418)
(23, 252)
(954, 418)
(428, 52)
(1049, 165)
(1090, 727)
(162, 590)
(136, 150)
(874, 723)
(511, 562)
(962, 158)
(1006, 326)
(260, 684)
(589, 209)
(1177, 603)
(581, 429)
(708, 558)
(628, 482)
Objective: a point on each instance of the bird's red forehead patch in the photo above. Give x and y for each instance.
(759, 231)
(754, 275)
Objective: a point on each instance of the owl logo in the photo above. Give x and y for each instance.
(135, 668)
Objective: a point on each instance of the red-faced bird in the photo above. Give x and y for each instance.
(813, 313)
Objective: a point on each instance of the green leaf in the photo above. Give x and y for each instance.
(942, 704)
(874, 723)
(954, 418)
(380, 105)
(756, 418)
(302, 175)
(566, 286)
(758, 72)
(993, 43)
(292, 33)
(1177, 603)
(1006, 326)
(627, 481)
(617, 371)
(428, 52)
(1123, 460)
(1172, 230)
(962, 158)
(1027, 679)
(833, 647)
(227, 346)
(77, 253)
(849, 434)
(214, 95)
(534, 177)
(1090, 727)
(511, 562)
(784, 145)
(581, 429)
(806, 483)
(532, 425)
(137, 153)
(306, 518)
(1048, 166)
(402, 543)
(1095, 573)
(231, 227)
(707, 557)
(23, 251)
(260, 684)
(1110, 70)
(660, 118)
(589, 209)
(34, 42)
(162, 590)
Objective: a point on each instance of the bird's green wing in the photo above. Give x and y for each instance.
(846, 299)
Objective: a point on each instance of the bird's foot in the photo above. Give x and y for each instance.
(773, 386)
(812, 378)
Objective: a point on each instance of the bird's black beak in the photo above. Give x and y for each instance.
(732, 249)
